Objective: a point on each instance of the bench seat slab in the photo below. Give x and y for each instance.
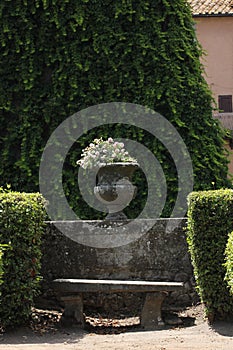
(73, 286)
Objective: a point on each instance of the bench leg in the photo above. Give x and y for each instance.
(73, 313)
(151, 312)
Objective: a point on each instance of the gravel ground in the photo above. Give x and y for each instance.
(116, 334)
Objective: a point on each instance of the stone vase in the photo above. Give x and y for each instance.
(114, 188)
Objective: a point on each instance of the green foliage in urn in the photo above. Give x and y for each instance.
(59, 57)
(229, 262)
(21, 226)
(209, 223)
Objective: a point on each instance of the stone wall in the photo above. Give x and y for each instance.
(157, 255)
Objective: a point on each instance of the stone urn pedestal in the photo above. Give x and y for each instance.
(114, 188)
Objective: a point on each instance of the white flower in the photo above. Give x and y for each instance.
(100, 151)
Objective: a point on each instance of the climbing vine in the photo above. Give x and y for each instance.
(60, 56)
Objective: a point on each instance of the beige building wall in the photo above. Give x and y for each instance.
(215, 34)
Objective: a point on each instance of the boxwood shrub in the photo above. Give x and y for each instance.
(1, 268)
(2, 248)
(209, 223)
(229, 262)
(21, 227)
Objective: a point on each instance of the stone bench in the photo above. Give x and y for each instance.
(71, 293)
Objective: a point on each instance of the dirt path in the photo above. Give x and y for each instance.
(190, 337)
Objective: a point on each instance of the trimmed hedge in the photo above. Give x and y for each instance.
(1, 268)
(21, 226)
(209, 223)
(2, 248)
(229, 262)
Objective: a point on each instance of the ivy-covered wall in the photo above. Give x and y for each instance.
(60, 56)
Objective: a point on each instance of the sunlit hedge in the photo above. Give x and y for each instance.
(21, 227)
(209, 223)
(229, 262)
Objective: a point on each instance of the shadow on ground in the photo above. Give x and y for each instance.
(25, 335)
(45, 327)
(224, 328)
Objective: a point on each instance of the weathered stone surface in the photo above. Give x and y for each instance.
(158, 255)
(71, 286)
(73, 313)
(151, 317)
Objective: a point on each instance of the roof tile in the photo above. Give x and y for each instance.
(211, 7)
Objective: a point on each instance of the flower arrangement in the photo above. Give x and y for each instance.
(101, 152)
